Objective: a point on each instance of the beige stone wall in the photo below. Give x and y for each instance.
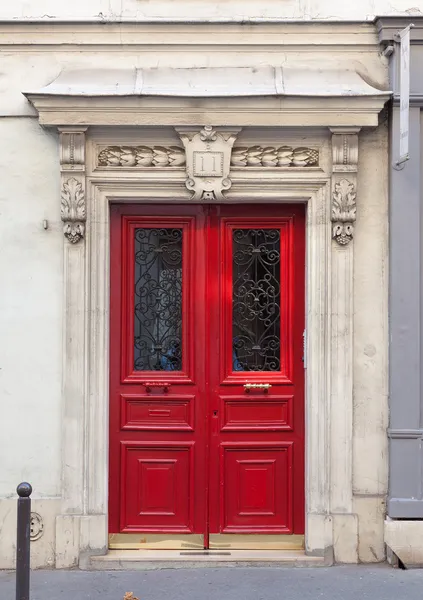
(370, 447)
(104, 10)
(30, 308)
(31, 274)
(43, 550)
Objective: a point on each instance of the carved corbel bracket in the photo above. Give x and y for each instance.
(208, 160)
(72, 166)
(344, 183)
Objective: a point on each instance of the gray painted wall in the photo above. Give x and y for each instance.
(406, 287)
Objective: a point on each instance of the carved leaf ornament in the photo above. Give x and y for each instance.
(174, 156)
(73, 212)
(284, 156)
(142, 156)
(343, 211)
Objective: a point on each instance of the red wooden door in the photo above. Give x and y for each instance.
(206, 374)
(256, 264)
(158, 478)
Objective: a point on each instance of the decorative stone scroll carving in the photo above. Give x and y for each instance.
(141, 156)
(344, 183)
(73, 210)
(343, 211)
(208, 160)
(72, 164)
(269, 156)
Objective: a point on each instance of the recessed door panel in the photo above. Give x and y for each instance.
(241, 413)
(257, 488)
(156, 483)
(155, 413)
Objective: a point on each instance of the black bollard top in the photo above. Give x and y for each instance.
(24, 490)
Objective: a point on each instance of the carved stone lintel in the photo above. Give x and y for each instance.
(343, 211)
(72, 163)
(208, 159)
(344, 194)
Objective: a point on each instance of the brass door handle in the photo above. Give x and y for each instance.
(257, 386)
(156, 384)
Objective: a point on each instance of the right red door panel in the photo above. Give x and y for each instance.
(256, 286)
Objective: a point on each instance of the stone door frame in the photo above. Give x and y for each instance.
(329, 190)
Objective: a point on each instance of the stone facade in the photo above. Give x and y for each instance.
(77, 135)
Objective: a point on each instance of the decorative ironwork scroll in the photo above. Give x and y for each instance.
(158, 300)
(256, 299)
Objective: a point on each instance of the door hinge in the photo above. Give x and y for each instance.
(304, 358)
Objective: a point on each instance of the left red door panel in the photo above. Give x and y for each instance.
(158, 419)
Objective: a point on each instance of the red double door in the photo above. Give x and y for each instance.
(206, 376)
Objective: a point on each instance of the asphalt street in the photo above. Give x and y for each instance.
(225, 583)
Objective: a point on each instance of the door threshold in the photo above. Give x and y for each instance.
(117, 560)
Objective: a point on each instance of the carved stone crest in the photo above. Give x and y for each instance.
(343, 211)
(72, 210)
(208, 160)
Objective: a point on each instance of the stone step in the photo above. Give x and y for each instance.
(116, 560)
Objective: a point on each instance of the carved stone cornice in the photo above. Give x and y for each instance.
(141, 156)
(270, 156)
(208, 160)
(344, 183)
(72, 165)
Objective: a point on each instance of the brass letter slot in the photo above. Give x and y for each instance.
(257, 386)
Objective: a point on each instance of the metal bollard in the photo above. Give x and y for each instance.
(24, 491)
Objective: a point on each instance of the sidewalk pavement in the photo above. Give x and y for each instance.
(225, 583)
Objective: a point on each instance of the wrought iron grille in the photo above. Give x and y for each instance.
(256, 299)
(158, 300)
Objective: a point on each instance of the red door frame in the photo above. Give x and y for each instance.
(210, 376)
